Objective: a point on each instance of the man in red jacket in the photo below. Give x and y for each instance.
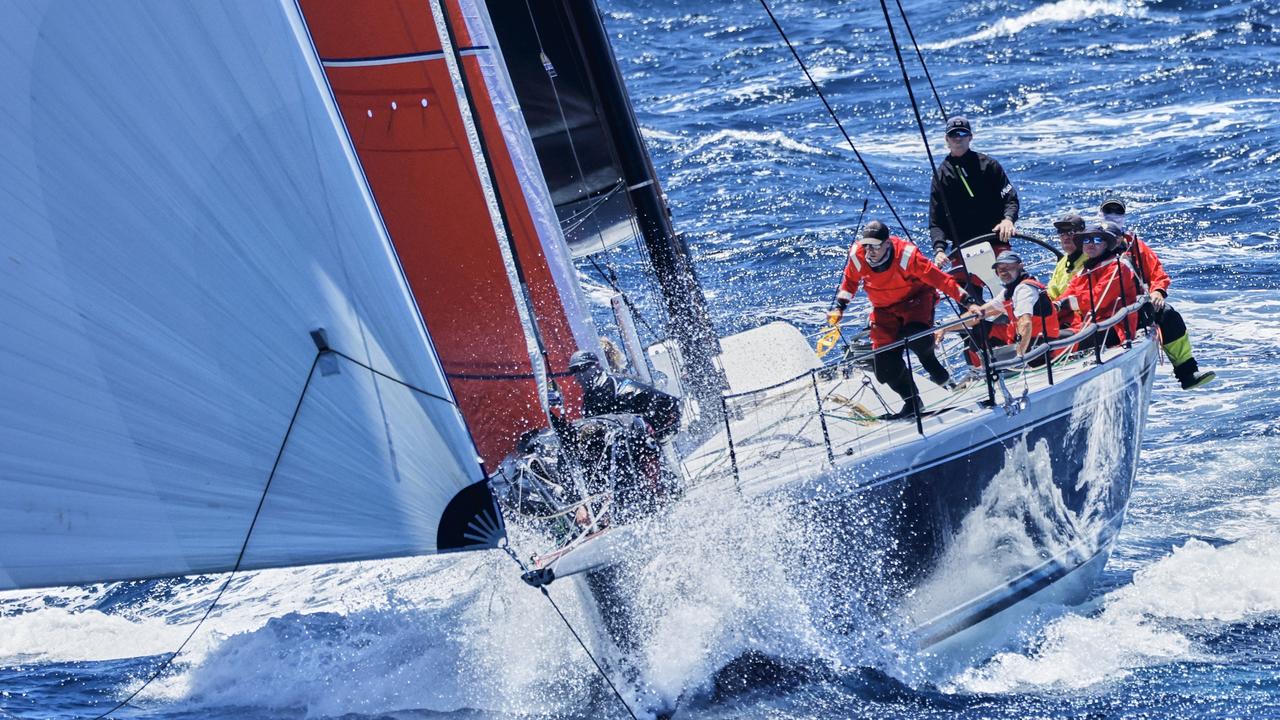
(901, 283)
(1173, 330)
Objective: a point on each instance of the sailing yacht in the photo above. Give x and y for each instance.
(288, 283)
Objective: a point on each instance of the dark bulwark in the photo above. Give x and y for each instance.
(956, 539)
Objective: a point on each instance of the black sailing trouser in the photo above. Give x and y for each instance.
(891, 368)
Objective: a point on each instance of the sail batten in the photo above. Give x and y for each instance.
(179, 210)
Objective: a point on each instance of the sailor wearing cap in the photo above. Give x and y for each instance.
(970, 196)
(1173, 330)
(1104, 286)
(1024, 302)
(1072, 254)
(902, 285)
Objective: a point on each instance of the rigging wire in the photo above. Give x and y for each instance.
(564, 120)
(920, 56)
(924, 137)
(611, 278)
(915, 106)
(599, 668)
(580, 217)
(831, 111)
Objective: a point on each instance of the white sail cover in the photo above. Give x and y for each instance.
(179, 209)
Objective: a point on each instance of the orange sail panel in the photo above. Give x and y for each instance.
(390, 77)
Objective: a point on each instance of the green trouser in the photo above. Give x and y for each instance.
(1177, 346)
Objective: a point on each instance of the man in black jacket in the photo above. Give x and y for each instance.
(605, 393)
(971, 196)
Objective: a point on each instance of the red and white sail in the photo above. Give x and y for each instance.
(432, 116)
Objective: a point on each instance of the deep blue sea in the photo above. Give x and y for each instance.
(1175, 106)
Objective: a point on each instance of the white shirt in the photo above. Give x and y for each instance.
(1024, 301)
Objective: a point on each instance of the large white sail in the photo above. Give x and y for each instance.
(179, 210)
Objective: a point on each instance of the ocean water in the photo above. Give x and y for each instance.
(1172, 105)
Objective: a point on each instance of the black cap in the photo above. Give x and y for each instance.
(1111, 229)
(1070, 222)
(583, 359)
(1115, 202)
(959, 126)
(874, 231)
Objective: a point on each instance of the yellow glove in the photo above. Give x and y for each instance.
(834, 315)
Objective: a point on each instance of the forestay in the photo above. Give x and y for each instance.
(179, 209)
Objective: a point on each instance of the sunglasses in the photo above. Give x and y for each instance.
(1091, 240)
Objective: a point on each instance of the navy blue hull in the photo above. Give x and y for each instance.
(974, 526)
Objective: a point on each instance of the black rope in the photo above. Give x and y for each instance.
(915, 107)
(920, 56)
(393, 379)
(244, 546)
(599, 668)
(836, 118)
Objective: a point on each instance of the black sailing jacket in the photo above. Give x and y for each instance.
(978, 193)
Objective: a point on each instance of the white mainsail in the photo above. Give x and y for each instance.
(179, 209)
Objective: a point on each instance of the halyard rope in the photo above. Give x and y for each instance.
(244, 546)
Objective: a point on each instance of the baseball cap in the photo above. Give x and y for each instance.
(1095, 234)
(1070, 222)
(874, 234)
(958, 126)
(1007, 257)
(1115, 203)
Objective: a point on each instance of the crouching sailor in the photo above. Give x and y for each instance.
(604, 393)
(900, 283)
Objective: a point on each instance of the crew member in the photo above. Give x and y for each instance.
(970, 196)
(900, 283)
(1072, 255)
(1025, 302)
(617, 440)
(1173, 330)
(1104, 286)
(604, 393)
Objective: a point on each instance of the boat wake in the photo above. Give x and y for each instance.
(1167, 614)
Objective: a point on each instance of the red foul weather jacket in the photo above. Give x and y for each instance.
(901, 293)
(1100, 291)
(1148, 265)
(909, 273)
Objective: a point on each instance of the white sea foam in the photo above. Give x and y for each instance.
(450, 633)
(776, 138)
(1144, 623)
(1061, 12)
(61, 635)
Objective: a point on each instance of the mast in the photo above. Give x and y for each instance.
(681, 292)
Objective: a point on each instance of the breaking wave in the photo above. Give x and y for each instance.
(1057, 13)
